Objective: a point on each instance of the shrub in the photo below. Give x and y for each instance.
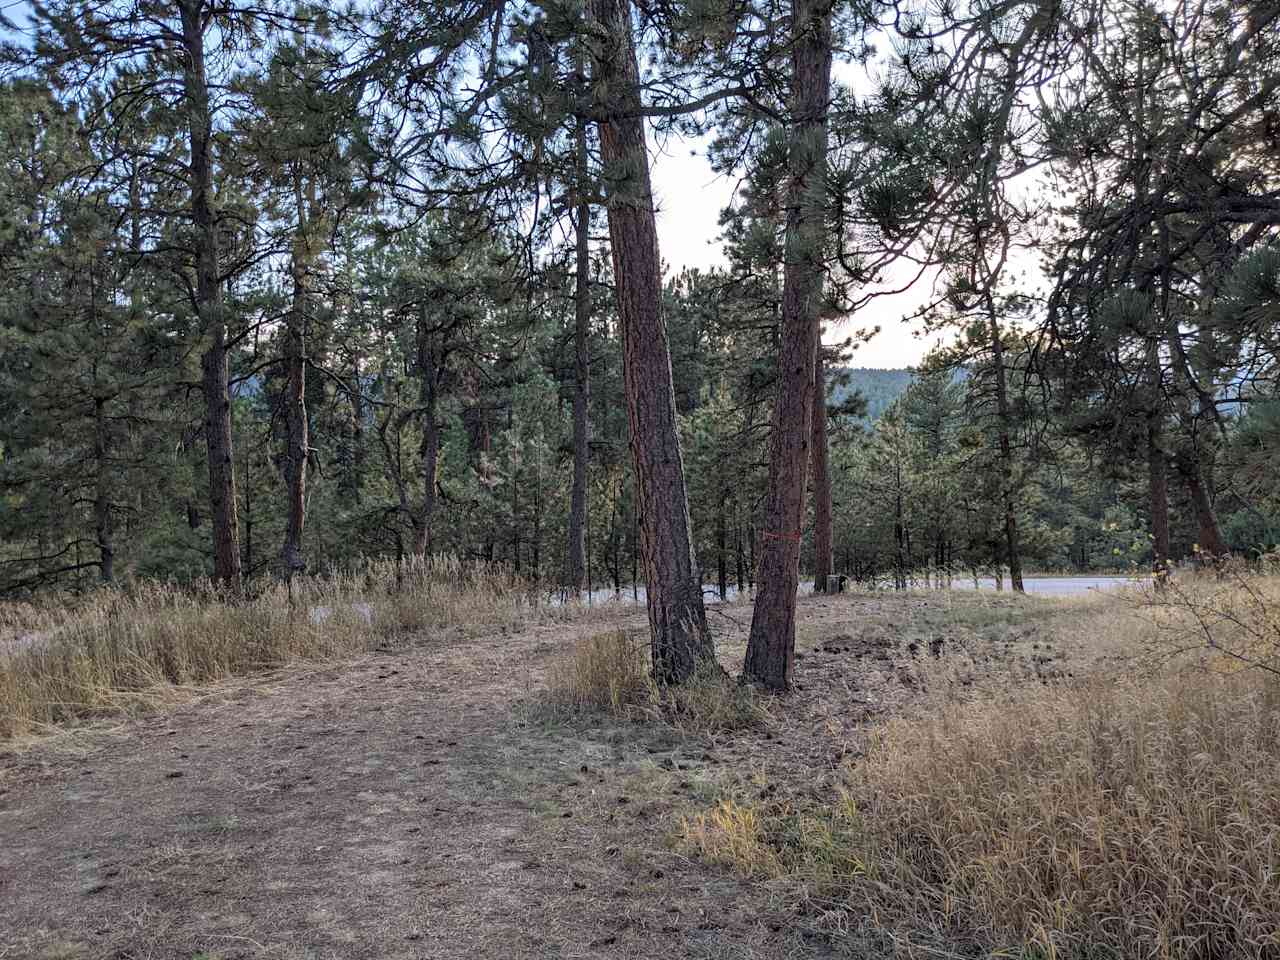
(1230, 614)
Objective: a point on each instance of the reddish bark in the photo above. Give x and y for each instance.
(822, 536)
(582, 381)
(214, 365)
(770, 659)
(681, 641)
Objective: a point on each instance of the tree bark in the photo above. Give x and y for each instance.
(899, 533)
(102, 493)
(680, 641)
(352, 480)
(822, 534)
(429, 453)
(429, 364)
(515, 519)
(1210, 540)
(1158, 475)
(737, 550)
(1187, 460)
(537, 517)
(215, 368)
(297, 440)
(770, 658)
(722, 543)
(581, 379)
(1005, 416)
(248, 513)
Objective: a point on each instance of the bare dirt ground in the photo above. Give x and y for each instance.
(408, 805)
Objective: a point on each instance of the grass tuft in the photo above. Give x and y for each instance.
(610, 673)
(711, 702)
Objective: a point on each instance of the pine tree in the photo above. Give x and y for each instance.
(770, 658)
(681, 641)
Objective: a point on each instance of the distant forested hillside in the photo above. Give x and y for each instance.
(879, 387)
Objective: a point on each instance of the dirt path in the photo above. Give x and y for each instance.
(394, 807)
(405, 806)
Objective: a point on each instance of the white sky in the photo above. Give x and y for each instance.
(690, 196)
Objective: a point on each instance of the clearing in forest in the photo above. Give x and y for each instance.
(430, 803)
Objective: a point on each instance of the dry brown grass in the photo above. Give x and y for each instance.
(1228, 619)
(119, 651)
(1121, 814)
(610, 673)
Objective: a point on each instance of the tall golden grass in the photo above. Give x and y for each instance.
(1122, 815)
(117, 650)
(610, 674)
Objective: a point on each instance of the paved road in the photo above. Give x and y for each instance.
(1041, 586)
(1055, 586)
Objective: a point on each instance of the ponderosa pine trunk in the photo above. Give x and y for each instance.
(429, 369)
(1213, 546)
(899, 534)
(739, 565)
(537, 518)
(297, 441)
(1158, 477)
(429, 454)
(770, 659)
(214, 364)
(821, 482)
(581, 378)
(680, 640)
(722, 545)
(351, 482)
(1005, 416)
(103, 527)
(1157, 467)
(248, 512)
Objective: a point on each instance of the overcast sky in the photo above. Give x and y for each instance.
(690, 196)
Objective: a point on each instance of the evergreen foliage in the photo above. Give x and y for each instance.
(392, 206)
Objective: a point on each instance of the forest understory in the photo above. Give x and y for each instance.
(442, 797)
